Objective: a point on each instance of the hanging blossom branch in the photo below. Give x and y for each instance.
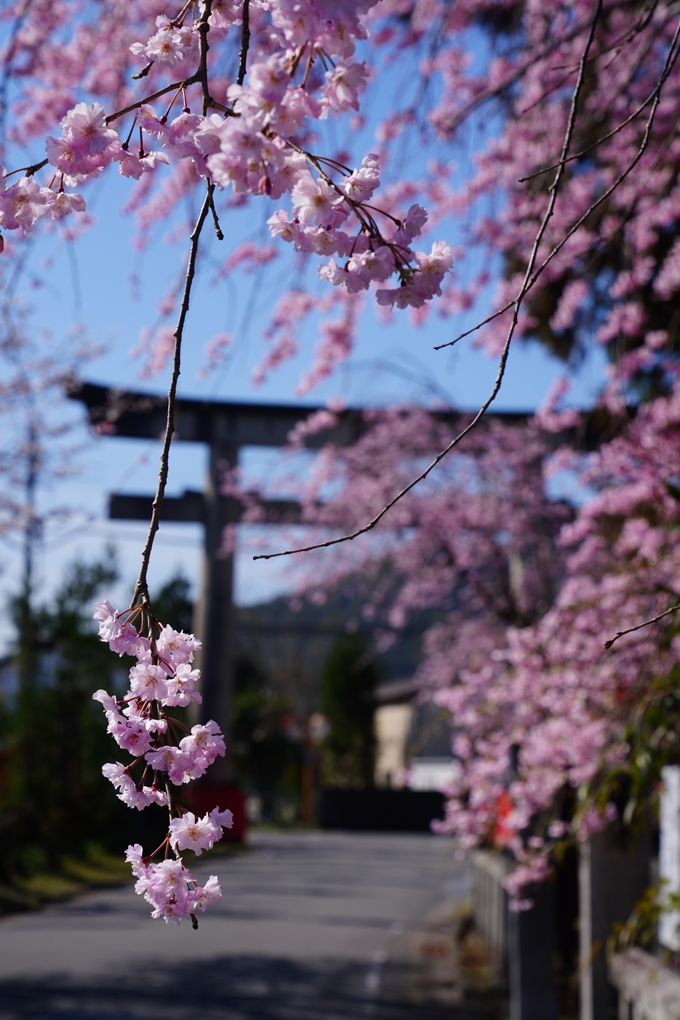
(140, 723)
(511, 332)
(141, 592)
(163, 678)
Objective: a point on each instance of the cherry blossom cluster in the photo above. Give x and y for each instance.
(171, 43)
(25, 201)
(321, 207)
(539, 711)
(303, 66)
(250, 145)
(82, 150)
(527, 590)
(162, 678)
(170, 887)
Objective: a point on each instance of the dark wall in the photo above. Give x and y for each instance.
(378, 810)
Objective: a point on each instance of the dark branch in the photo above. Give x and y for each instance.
(211, 198)
(141, 588)
(630, 630)
(28, 170)
(673, 53)
(473, 329)
(605, 138)
(245, 43)
(175, 85)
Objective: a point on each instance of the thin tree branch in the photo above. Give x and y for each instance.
(245, 44)
(473, 329)
(506, 347)
(670, 61)
(605, 138)
(28, 170)
(201, 75)
(216, 220)
(203, 29)
(176, 85)
(673, 53)
(141, 587)
(630, 630)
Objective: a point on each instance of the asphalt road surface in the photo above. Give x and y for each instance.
(312, 926)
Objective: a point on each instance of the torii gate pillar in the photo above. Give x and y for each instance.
(214, 614)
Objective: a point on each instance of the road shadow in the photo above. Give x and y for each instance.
(227, 988)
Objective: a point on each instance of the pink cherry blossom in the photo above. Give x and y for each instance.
(22, 204)
(204, 744)
(314, 201)
(85, 128)
(133, 796)
(110, 625)
(199, 834)
(148, 681)
(60, 204)
(131, 165)
(181, 687)
(176, 647)
(204, 896)
(177, 763)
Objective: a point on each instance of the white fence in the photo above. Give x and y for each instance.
(491, 903)
(647, 990)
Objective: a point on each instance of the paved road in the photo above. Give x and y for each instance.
(312, 926)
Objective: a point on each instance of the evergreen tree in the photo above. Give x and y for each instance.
(348, 683)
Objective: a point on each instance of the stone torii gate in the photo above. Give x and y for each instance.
(225, 427)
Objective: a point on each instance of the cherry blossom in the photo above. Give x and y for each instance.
(199, 834)
(171, 888)
(22, 204)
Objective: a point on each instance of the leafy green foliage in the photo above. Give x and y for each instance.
(53, 798)
(348, 683)
(173, 605)
(266, 759)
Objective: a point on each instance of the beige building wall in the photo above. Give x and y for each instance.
(392, 725)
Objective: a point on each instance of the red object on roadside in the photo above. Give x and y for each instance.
(501, 832)
(203, 799)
